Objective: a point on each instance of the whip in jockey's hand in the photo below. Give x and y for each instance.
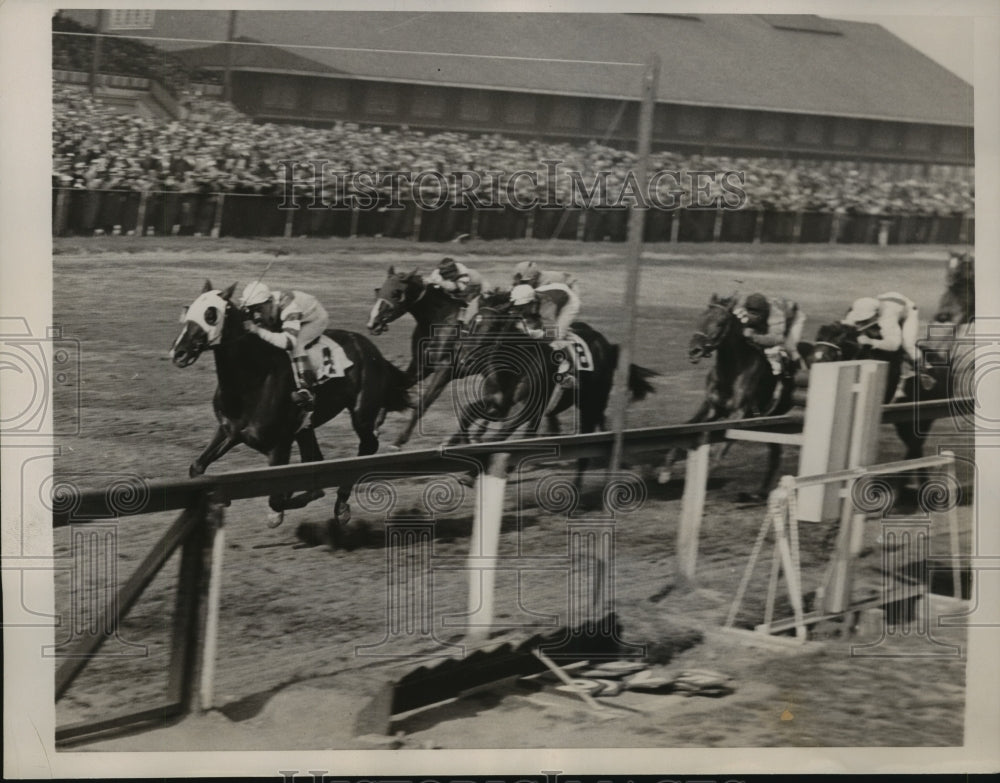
(290, 320)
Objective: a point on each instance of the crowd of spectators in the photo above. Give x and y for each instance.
(120, 56)
(216, 149)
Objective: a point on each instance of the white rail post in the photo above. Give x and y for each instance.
(483, 548)
(692, 508)
(210, 648)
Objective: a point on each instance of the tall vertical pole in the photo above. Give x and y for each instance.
(227, 76)
(95, 60)
(637, 219)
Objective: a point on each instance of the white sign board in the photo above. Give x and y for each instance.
(130, 19)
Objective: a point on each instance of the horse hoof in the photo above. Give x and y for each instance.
(194, 471)
(275, 518)
(390, 448)
(664, 476)
(342, 512)
(466, 480)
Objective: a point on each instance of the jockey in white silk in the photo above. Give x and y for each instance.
(289, 320)
(553, 306)
(898, 322)
(530, 273)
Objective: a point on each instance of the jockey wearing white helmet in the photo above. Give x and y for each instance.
(290, 321)
(897, 319)
(554, 305)
(530, 273)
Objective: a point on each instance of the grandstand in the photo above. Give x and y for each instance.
(217, 168)
(794, 87)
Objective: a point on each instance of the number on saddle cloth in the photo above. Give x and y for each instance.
(584, 361)
(327, 359)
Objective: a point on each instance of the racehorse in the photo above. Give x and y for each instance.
(838, 342)
(253, 399)
(436, 313)
(958, 302)
(741, 385)
(519, 370)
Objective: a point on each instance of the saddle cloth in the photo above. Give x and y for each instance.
(581, 354)
(327, 359)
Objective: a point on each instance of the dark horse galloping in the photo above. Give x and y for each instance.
(519, 370)
(253, 399)
(741, 385)
(838, 342)
(958, 302)
(437, 330)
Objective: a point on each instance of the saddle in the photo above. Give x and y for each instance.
(327, 359)
(580, 356)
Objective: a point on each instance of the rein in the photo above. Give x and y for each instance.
(712, 344)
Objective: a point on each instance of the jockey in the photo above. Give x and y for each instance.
(773, 323)
(529, 272)
(554, 305)
(897, 319)
(464, 284)
(289, 320)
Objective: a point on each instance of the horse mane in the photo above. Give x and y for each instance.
(835, 332)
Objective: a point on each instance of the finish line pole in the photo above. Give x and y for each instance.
(636, 221)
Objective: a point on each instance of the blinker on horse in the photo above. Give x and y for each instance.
(253, 404)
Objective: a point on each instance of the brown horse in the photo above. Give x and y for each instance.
(253, 399)
(741, 384)
(958, 302)
(433, 340)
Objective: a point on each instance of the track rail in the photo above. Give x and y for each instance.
(172, 495)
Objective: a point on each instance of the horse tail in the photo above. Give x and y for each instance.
(638, 377)
(638, 381)
(397, 388)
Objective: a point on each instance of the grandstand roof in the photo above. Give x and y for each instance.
(263, 57)
(786, 63)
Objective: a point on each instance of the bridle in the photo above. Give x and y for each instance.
(403, 304)
(712, 343)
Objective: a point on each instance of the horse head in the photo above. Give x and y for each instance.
(204, 324)
(713, 327)
(958, 302)
(393, 298)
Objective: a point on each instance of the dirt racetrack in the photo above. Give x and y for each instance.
(293, 616)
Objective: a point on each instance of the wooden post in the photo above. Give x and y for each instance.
(289, 223)
(217, 220)
(692, 507)
(484, 546)
(637, 217)
(140, 214)
(217, 533)
(95, 60)
(227, 74)
(717, 225)
(187, 613)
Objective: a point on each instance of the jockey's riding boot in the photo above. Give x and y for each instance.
(303, 396)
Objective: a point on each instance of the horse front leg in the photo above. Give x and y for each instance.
(221, 443)
(437, 383)
(279, 455)
(310, 452)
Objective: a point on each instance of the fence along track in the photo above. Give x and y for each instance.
(202, 499)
